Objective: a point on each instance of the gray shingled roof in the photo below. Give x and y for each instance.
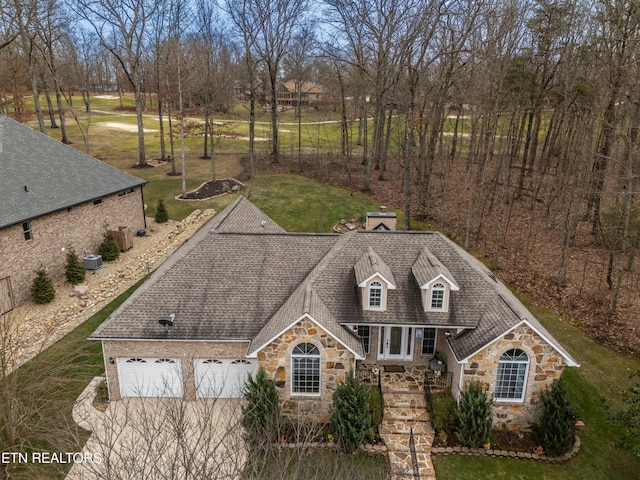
(370, 264)
(244, 216)
(427, 267)
(253, 286)
(55, 175)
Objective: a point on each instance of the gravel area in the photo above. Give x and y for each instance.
(31, 328)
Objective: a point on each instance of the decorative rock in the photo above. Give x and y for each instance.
(80, 291)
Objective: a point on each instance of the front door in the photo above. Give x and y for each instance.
(395, 343)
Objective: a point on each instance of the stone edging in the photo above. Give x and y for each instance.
(508, 454)
(369, 448)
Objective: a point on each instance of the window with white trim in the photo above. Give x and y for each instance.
(305, 370)
(375, 295)
(437, 296)
(429, 341)
(364, 332)
(512, 375)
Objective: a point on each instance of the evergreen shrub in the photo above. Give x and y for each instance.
(162, 215)
(261, 414)
(42, 290)
(109, 249)
(74, 270)
(555, 430)
(474, 416)
(351, 419)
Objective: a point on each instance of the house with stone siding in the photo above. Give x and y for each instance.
(54, 198)
(243, 294)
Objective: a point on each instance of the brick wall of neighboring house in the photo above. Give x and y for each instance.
(545, 365)
(335, 362)
(186, 351)
(81, 227)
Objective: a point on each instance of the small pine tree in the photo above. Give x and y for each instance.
(42, 290)
(351, 419)
(557, 421)
(109, 249)
(74, 270)
(474, 416)
(261, 414)
(162, 215)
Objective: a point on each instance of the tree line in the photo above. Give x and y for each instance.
(529, 102)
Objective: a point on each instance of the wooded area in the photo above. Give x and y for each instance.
(512, 124)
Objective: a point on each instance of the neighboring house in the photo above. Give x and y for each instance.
(54, 197)
(309, 93)
(242, 293)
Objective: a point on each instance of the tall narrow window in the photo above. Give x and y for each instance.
(26, 230)
(437, 297)
(375, 295)
(364, 332)
(512, 375)
(305, 370)
(429, 341)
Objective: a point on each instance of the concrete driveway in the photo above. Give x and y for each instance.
(153, 438)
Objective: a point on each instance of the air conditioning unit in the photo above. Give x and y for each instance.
(93, 262)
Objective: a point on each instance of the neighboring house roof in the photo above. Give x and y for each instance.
(40, 175)
(252, 286)
(304, 86)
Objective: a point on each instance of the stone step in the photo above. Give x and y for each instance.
(405, 399)
(405, 414)
(399, 442)
(402, 426)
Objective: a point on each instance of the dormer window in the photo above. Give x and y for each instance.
(436, 282)
(375, 295)
(437, 296)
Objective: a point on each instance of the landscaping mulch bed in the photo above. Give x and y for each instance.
(214, 188)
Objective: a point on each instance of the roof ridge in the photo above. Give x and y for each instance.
(372, 258)
(227, 211)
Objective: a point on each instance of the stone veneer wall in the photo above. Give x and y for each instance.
(186, 351)
(335, 362)
(545, 365)
(80, 227)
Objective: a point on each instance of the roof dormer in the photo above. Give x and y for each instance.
(374, 278)
(435, 280)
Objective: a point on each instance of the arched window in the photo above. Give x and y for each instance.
(512, 375)
(437, 296)
(375, 295)
(305, 370)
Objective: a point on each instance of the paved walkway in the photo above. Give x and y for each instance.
(405, 411)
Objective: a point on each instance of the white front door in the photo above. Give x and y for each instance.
(395, 343)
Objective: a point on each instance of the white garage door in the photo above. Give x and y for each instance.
(150, 377)
(222, 378)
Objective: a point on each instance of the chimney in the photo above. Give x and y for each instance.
(381, 220)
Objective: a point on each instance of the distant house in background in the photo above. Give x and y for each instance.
(52, 197)
(310, 93)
